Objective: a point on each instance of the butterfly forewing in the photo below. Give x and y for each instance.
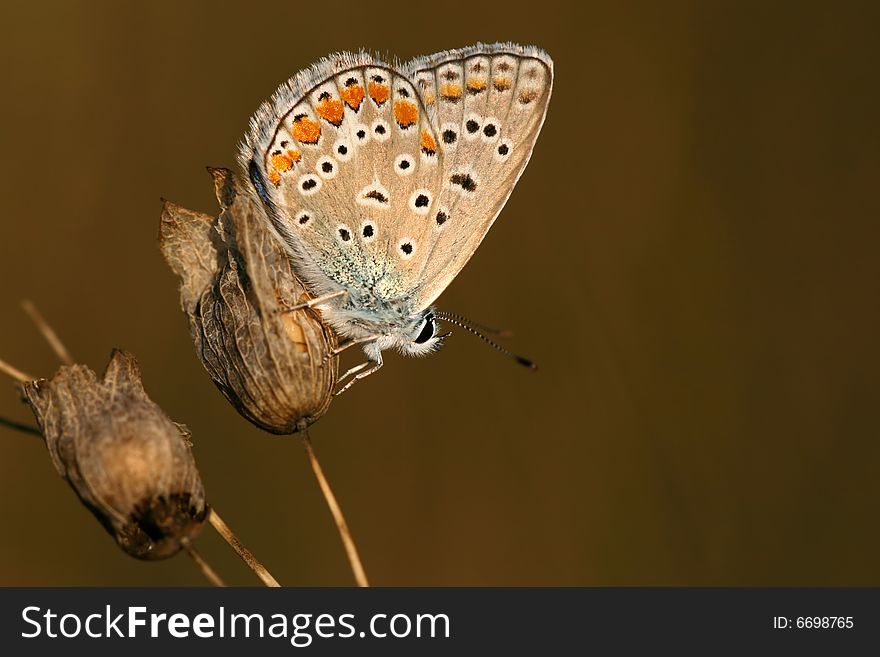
(348, 169)
(383, 180)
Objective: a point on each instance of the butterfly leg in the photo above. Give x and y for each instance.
(360, 375)
(351, 343)
(353, 370)
(316, 301)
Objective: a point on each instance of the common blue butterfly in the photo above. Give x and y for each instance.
(381, 180)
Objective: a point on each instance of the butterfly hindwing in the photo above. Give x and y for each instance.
(487, 104)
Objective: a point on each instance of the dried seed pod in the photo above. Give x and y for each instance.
(128, 462)
(236, 287)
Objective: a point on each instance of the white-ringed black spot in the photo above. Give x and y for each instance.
(309, 184)
(375, 195)
(344, 234)
(342, 150)
(380, 130)
(404, 164)
(368, 231)
(502, 151)
(441, 218)
(449, 136)
(407, 248)
(420, 201)
(303, 218)
(472, 126)
(361, 134)
(326, 167)
(490, 130)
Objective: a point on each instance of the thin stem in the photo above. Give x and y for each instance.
(246, 555)
(207, 571)
(18, 375)
(357, 568)
(47, 331)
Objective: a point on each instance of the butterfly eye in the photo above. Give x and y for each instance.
(427, 331)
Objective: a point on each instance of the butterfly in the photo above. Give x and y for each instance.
(381, 180)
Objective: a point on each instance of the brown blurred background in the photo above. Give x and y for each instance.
(691, 258)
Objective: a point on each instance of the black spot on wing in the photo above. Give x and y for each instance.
(464, 181)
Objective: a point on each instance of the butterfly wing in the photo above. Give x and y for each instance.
(346, 160)
(383, 180)
(487, 104)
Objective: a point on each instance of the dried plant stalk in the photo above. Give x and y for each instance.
(274, 365)
(247, 556)
(130, 465)
(209, 573)
(357, 568)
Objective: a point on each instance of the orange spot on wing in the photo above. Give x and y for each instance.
(331, 110)
(501, 84)
(353, 96)
(405, 113)
(527, 96)
(306, 130)
(274, 178)
(450, 92)
(295, 156)
(429, 98)
(379, 92)
(282, 163)
(476, 86)
(429, 145)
